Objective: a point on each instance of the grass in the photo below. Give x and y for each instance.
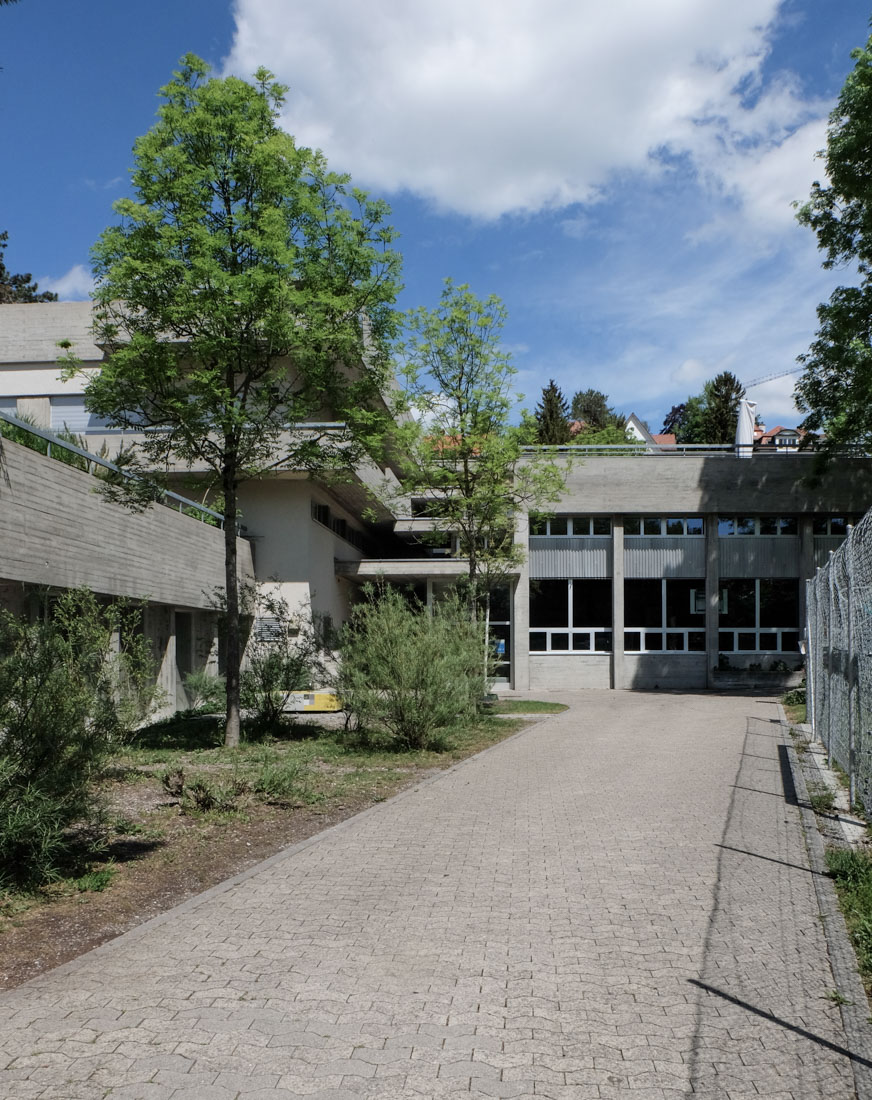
(526, 706)
(821, 798)
(851, 871)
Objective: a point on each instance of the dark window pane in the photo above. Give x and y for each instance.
(789, 525)
(675, 527)
(768, 525)
(789, 641)
(581, 525)
(632, 641)
(602, 642)
(591, 603)
(679, 611)
(581, 641)
(675, 641)
(654, 641)
(696, 641)
(538, 642)
(501, 641)
(500, 604)
(819, 527)
(558, 526)
(768, 641)
(726, 526)
(740, 603)
(726, 642)
(538, 526)
(651, 526)
(695, 527)
(838, 526)
(602, 525)
(643, 603)
(779, 603)
(747, 642)
(745, 525)
(559, 641)
(549, 603)
(632, 525)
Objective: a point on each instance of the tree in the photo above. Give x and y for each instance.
(836, 388)
(552, 416)
(19, 288)
(246, 290)
(465, 458)
(710, 416)
(592, 407)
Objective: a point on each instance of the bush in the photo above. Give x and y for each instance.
(408, 671)
(66, 699)
(206, 692)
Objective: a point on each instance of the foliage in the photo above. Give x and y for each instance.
(206, 691)
(410, 671)
(603, 437)
(710, 416)
(36, 443)
(836, 388)
(552, 416)
(592, 407)
(286, 652)
(19, 288)
(66, 699)
(465, 459)
(245, 290)
(852, 873)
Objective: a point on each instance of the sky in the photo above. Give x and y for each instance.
(620, 174)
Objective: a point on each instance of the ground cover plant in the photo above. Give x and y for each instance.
(851, 870)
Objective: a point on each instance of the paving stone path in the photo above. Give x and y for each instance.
(616, 902)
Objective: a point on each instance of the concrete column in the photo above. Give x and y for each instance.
(520, 671)
(712, 595)
(806, 564)
(618, 680)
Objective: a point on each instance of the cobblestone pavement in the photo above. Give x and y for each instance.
(614, 903)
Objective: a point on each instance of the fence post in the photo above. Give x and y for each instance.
(852, 747)
(830, 660)
(810, 656)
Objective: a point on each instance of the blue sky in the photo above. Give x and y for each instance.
(621, 175)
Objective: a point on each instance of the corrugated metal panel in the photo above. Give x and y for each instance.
(8, 405)
(574, 556)
(759, 556)
(664, 556)
(823, 544)
(70, 413)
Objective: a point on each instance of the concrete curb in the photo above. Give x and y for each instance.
(222, 887)
(855, 1010)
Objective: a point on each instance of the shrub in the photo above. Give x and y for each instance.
(409, 671)
(66, 698)
(207, 692)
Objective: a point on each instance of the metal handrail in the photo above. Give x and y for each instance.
(743, 450)
(96, 460)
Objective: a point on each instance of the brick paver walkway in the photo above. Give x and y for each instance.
(615, 903)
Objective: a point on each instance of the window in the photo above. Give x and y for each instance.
(757, 525)
(759, 616)
(570, 616)
(664, 615)
(833, 525)
(70, 413)
(500, 627)
(561, 526)
(670, 525)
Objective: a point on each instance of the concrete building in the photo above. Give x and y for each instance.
(661, 566)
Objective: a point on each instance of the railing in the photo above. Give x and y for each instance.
(163, 496)
(645, 450)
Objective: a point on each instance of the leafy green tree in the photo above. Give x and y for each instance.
(592, 407)
(465, 458)
(710, 416)
(552, 416)
(246, 290)
(835, 390)
(19, 288)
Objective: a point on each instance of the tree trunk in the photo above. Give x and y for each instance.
(231, 583)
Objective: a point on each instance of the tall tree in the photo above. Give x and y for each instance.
(721, 397)
(836, 389)
(592, 406)
(19, 288)
(552, 416)
(246, 290)
(465, 458)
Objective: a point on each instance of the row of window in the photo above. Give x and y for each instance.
(561, 526)
(759, 615)
(339, 526)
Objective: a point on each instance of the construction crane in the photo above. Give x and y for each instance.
(772, 377)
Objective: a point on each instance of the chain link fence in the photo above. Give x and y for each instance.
(839, 658)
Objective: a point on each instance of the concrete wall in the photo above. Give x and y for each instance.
(553, 672)
(57, 530)
(650, 671)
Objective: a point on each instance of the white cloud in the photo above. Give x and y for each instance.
(507, 106)
(74, 286)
